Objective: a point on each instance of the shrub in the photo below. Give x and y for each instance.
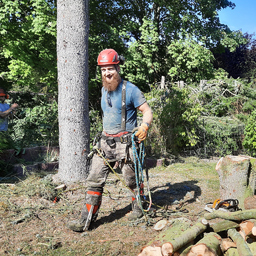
(250, 134)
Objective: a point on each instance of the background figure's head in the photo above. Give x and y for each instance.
(109, 61)
(3, 95)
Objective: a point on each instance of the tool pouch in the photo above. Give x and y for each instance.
(111, 142)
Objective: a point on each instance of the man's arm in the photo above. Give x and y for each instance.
(147, 113)
(147, 120)
(7, 112)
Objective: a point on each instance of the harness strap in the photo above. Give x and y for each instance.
(126, 138)
(123, 124)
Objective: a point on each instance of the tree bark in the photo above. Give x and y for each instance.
(234, 251)
(170, 233)
(187, 236)
(242, 247)
(223, 225)
(250, 203)
(209, 245)
(72, 53)
(237, 178)
(234, 216)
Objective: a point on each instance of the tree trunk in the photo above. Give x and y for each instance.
(237, 178)
(72, 53)
(250, 203)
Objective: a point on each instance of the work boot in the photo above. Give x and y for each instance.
(89, 213)
(136, 211)
(78, 225)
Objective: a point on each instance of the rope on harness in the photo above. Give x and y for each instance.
(138, 158)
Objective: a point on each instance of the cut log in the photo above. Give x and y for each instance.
(178, 226)
(242, 247)
(160, 225)
(254, 230)
(234, 251)
(224, 225)
(227, 243)
(178, 242)
(209, 245)
(151, 251)
(235, 216)
(175, 237)
(237, 178)
(245, 228)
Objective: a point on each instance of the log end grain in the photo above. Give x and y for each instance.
(150, 251)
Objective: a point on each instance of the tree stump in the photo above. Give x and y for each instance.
(237, 177)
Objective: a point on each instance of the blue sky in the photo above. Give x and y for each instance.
(242, 17)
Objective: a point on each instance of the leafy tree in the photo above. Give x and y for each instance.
(28, 43)
(74, 123)
(175, 117)
(189, 61)
(239, 61)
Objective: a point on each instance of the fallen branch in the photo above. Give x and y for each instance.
(242, 247)
(235, 216)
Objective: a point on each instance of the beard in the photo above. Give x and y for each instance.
(111, 86)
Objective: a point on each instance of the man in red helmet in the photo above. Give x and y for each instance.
(119, 102)
(5, 110)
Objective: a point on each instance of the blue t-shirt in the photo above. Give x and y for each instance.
(111, 104)
(4, 121)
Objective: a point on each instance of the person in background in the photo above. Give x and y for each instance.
(120, 102)
(5, 110)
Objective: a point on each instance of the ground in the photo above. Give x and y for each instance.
(32, 222)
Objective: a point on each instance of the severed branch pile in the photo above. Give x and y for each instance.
(232, 233)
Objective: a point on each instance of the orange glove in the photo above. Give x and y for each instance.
(142, 131)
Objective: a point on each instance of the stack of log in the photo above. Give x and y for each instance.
(218, 232)
(234, 233)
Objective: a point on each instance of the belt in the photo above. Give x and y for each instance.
(125, 138)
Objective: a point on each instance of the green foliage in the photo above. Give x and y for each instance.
(250, 134)
(28, 43)
(221, 136)
(37, 125)
(175, 115)
(6, 141)
(143, 65)
(189, 61)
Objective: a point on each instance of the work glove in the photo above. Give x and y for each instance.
(142, 131)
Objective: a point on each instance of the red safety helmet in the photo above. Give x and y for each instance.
(109, 57)
(2, 93)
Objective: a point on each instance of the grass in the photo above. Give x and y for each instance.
(36, 226)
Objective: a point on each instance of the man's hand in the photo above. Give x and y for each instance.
(142, 131)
